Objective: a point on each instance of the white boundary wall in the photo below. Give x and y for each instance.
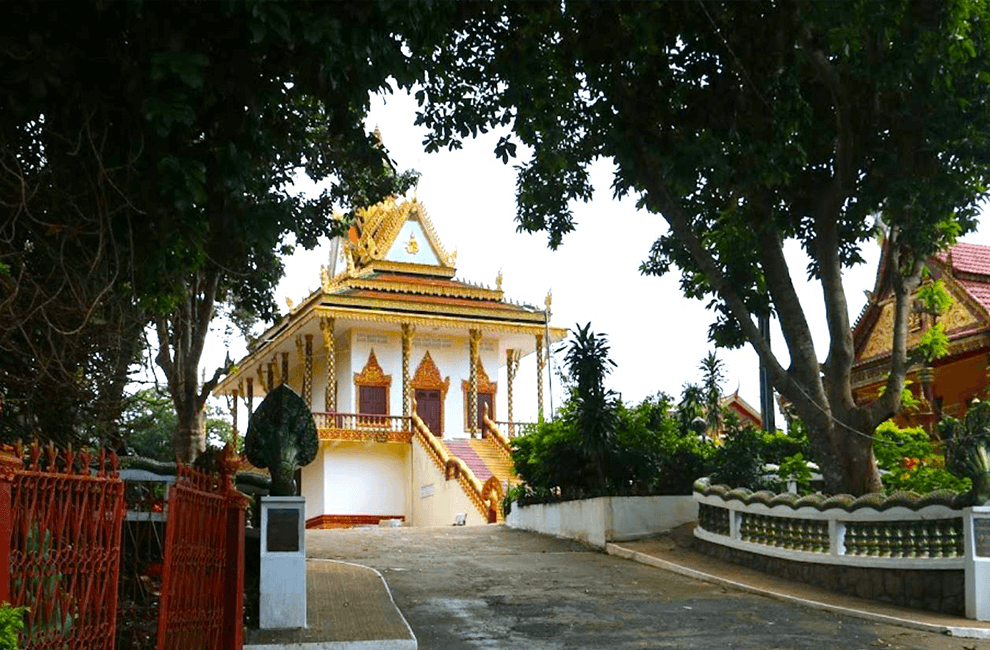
(605, 519)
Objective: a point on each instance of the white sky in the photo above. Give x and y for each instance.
(657, 336)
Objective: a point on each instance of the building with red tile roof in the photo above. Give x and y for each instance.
(959, 376)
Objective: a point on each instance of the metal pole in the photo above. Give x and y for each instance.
(766, 388)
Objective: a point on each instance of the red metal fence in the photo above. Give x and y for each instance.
(202, 597)
(60, 546)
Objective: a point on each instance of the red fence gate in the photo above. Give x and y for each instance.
(60, 546)
(202, 597)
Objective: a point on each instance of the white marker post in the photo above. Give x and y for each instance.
(282, 602)
(976, 532)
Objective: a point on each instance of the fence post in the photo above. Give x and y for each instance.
(233, 607)
(8, 463)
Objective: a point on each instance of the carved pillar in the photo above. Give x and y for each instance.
(250, 397)
(474, 345)
(408, 331)
(307, 382)
(539, 374)
(284, 379)
(511, 365)
(330, 394)
(233, 409)
(270, 383)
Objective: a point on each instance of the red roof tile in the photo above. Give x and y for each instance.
(970, 258)
(980, 291)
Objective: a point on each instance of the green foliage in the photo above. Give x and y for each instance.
(739, 460)
(795, 468)
(967, 449)
(281, 437)
(934, 296)
(148, 423)
(913, 462)
(56, 610)
(934, 343)
(595, 407)
(747, 126)
(11, 623)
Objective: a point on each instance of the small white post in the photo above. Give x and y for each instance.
(976, 533)
(282, 598)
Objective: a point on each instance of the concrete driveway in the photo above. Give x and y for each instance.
(494, 587)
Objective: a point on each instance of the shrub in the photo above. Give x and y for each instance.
(11, 622)
(913, 462)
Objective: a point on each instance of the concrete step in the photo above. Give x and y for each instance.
(463, 449)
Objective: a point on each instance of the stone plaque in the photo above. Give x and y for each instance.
(981, 536)
(283, 530)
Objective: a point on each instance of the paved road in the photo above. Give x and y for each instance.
(492, 588)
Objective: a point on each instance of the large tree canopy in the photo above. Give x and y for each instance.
(146, 156)
(745, 125)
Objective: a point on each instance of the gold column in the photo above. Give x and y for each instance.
(307, 382)
(284, 379)
(539, 374)
(330, 393)
(511, 365)
(408, 331)
(233, 409)
(474, 344)
(250, 397)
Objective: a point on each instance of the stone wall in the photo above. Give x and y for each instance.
(933, 590)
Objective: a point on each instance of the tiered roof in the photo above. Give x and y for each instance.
(965, 269)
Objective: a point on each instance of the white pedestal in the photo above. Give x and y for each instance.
(976, 532)
(283, 563)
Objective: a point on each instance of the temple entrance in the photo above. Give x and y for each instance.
(483, 399)
(429, 392)
(428, 409)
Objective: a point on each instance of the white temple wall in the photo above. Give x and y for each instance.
(345, 375)
(435, 500)
(312, 485)
(365, 478)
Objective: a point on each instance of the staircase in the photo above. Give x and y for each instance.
(483, 459)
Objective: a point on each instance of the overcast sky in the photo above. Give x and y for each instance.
(657, 336)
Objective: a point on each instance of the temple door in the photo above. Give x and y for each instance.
(372, 401)
(428, 409)
(489, 399)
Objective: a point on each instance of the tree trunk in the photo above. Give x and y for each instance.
(181, 338)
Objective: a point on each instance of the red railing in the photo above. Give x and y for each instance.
(359, 421)
(60, 551)
(202, 599)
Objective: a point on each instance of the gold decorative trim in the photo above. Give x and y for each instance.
(427, 377)
(364, 435)
(379, 284)
(535, 318)
(372, 374)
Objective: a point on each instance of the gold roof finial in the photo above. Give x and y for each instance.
(548, 300)
(498, 281)
(288, 301)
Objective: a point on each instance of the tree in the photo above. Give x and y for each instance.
(745, 125)
(595, 407)
(713, 374)
(171, 141)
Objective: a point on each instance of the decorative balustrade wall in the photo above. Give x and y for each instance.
(899, 549)
(60, 554)
(359, 426)
(203, 579)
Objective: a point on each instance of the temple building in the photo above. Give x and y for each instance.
(949, 385)
(399, 362)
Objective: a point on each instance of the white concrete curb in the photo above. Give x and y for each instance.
(951, 630)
